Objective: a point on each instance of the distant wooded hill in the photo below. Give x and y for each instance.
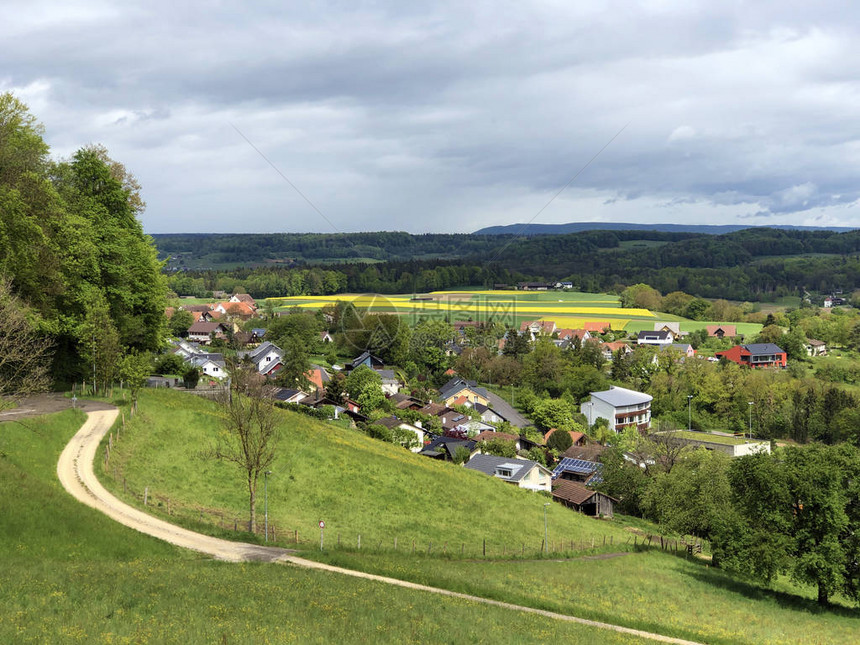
(750, 264)
(578, 227)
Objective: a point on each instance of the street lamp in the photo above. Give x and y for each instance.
(750, 404)
(689, 412)
(266, 502)
(545, 531)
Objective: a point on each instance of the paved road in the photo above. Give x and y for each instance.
(75, 470)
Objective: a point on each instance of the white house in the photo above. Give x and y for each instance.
(524, 473)
(267, 358)
(390, 382)
(657, 337)
(621, 407)
(394, 422)
(212, 365)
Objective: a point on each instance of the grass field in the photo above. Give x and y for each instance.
(71, 575)
(356, 484)
(393, 493)
(652, 590)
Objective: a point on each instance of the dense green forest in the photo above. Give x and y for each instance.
(74, 260)
(758, 264)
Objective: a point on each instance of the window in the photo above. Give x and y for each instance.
(503, 472)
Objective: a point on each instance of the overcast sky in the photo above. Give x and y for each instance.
(396, 116)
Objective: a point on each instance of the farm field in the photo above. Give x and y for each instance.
(70, 574)
(565, 308)
(508, 307)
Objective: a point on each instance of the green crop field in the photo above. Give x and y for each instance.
(72, 575)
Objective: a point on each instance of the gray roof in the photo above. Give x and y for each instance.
(387, 375)
(662, 335)
(757, 349)
(488, 464)
(458, 384)
(506, 411)
(619, 397)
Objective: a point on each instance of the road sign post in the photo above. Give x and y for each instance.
(322, 528)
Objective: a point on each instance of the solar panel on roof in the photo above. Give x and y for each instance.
(571, 465)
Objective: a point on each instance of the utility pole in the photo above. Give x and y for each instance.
(689, 412)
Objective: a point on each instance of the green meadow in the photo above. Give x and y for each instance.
(357, 485)
(71, 575)
(389, 492)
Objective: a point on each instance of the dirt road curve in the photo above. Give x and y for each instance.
(75, 470)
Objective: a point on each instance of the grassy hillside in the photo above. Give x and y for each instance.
(70, 574)
(650, 590)
(356, 484)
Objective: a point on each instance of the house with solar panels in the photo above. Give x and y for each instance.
(578, 470)
(621, 407)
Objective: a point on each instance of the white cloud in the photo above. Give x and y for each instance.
(453, 116)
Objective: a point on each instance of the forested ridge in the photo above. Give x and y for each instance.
(73, 256)
(757, 264)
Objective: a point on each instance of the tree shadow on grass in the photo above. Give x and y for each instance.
(704, 573)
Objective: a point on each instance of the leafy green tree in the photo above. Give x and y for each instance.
(559, 440)
(694, 496)
(134, 370)
(365, 387)
(100, 343)
(296, 364)
(796, 513)
(180, 322)
(499, 447)
(553, 413)
(191, 377)
(642, 296)
(170, 364)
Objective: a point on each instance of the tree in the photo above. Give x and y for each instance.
(559, 440)
(170, 364)
(296, 364)
(191, 377)
(25, 354)
(553, 413)
(100, 343)
(642, 296)
(796, 513)
(694, 497)
(251, 426)
(180, 322)
(365, 388)
(499, 447)
(134, 369)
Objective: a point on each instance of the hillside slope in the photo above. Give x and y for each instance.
(358, 485)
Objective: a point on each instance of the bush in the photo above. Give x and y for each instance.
(559, 440)
(170, 364)
(191, 377)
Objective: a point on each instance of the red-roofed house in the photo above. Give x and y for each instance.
(597, 327)
(721, 331)
(489, 435)
(755, 355)
(609, 349)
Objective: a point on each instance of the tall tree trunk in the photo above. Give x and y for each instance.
(252, 495)
(822, 594)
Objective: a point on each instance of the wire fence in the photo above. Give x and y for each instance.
(230, 524)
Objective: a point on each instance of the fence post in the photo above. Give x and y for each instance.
(274, 535)
(124, 486)
(413, 546)
(145, 495)
(359, 541)
(430, 546)
(462, 548)
(235, 523)
(485, 547)
(395, 542)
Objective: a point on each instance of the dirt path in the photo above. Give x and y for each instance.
(75, 470)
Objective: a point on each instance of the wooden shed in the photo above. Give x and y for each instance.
(583, 499)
